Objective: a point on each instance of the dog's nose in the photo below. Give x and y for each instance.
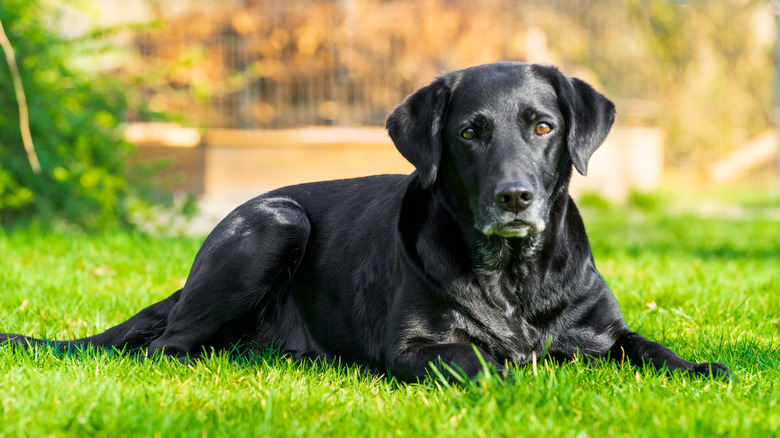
(514, 196)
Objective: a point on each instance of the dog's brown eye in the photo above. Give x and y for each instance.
(543, 129)
(469, 134)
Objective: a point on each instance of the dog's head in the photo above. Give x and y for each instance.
(502, 139)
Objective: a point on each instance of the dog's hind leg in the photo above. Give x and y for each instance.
(245, 262)
(249, 258)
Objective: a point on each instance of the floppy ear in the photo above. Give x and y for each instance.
(588, 116)
(415, 127)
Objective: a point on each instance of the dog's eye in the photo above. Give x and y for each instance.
(543, 128)
(469, 134)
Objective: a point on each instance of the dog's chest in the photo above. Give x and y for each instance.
(497, 314)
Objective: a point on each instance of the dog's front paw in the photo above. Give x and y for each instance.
(711, 369)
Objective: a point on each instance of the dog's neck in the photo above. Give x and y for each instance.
(500, 254)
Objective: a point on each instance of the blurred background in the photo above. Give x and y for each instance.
(132, 100)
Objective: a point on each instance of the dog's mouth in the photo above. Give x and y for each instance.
(515, 228)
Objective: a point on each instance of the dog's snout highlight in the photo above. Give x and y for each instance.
(514, 196)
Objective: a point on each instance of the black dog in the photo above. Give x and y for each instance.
(481, 247)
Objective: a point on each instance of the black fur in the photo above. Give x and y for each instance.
(481, 247)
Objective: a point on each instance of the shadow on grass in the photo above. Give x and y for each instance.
(746, 355)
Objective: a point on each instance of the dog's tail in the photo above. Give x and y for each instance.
(131, 335)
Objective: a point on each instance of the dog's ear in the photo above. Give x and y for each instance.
(415, 127)
(588, 116)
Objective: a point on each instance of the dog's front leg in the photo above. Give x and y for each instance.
(414, 362)
(638, 350)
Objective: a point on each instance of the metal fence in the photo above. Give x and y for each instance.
(279, 63)
(702, 71)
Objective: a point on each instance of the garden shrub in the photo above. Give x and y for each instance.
(75, 119)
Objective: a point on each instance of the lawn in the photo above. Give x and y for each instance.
(708, 287)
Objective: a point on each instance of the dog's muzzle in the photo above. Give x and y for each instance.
(513, 198)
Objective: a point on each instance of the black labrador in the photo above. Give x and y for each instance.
(480, 249)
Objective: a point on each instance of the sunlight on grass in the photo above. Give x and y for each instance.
(706, 287)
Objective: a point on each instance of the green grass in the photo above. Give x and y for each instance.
(707, 288)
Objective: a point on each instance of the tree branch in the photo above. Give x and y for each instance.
(24, 122)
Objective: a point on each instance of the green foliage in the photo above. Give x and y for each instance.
(593, 200)
(706, 287)
(644, 201)
(75, 122)
(710, 66)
